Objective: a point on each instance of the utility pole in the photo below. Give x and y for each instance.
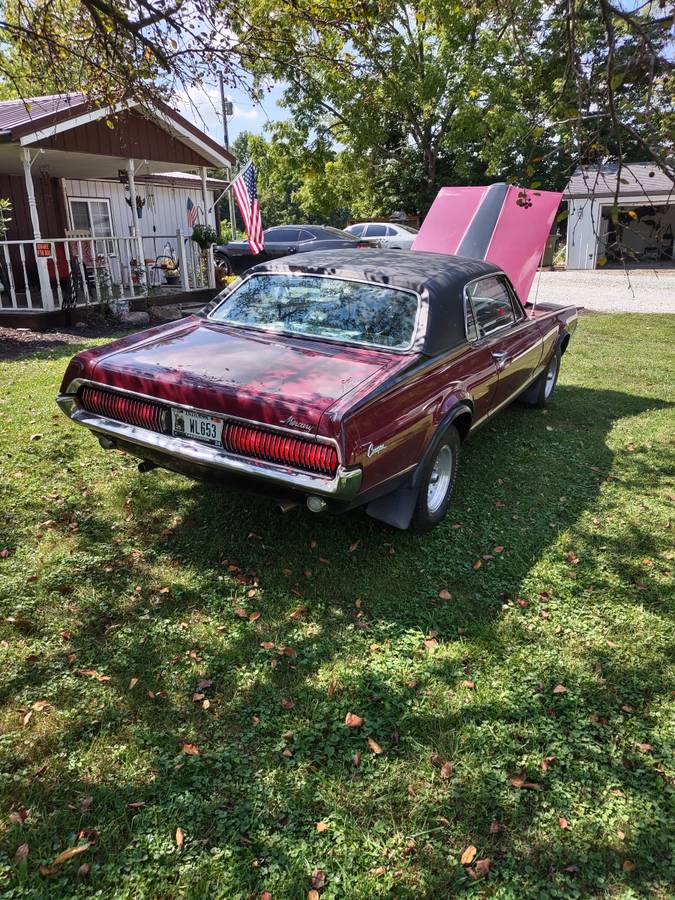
(226, 107)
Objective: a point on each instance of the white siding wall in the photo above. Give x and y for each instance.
(165, 209)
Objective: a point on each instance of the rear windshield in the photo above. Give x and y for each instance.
(351, 312)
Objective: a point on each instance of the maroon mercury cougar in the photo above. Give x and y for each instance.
(339, 378)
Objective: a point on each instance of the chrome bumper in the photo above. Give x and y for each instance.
(343, 486)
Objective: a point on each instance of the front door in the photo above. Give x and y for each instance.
(513, 339)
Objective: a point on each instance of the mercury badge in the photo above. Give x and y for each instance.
(292, 422)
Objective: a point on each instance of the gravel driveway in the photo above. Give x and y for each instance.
(610, 290)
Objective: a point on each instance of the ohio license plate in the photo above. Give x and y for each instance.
(199, 426)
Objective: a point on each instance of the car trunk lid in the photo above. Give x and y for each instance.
(265, 378)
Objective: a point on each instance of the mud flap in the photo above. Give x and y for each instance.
(395, 509)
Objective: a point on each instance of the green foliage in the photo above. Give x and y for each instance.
(204, 236)
(306, 180)
(107, 577)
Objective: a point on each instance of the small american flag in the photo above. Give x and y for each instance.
(244, 188)
(192, 213)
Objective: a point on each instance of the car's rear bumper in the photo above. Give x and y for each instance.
(202, 460)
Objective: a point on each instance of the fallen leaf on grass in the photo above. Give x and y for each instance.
(374, 746)
(353, 721)
(499, 549)
(18, 816)
(86, 804)
(628, 865)
(356, 759)
(469, 855)
(321, 827)
(430, 643)
(267, 645)
(21, 853)
(241, 613)
(313, 895)
(298, 613)
(468, 684)
(180, 838)
(254, 616)
(132, 683)
(483, 866)
(518, 781)
(190, 749)
(560, 689)
(84, 870)
(445, 594)
(48, 871)
(644, 748)
(287, 704)
(563, 822)
(27, 717)
(446, 770)
(266, 895)
(318, 879)
(41, 705)
(477, 564)
(494, 827)
(70, 853)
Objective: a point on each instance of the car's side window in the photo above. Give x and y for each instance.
(356, 230)
(491, 303)
(391, 232)
(470, 321)
(306, 236)
(283, 235)
(376, 230)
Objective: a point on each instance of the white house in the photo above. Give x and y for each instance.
(640, 232)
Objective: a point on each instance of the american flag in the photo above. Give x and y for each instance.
(192, 213)
(244, 188)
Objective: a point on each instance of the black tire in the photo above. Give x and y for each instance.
(223, 263)
(539, 393)
(429, 509)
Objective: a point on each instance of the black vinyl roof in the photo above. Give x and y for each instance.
(439, 279)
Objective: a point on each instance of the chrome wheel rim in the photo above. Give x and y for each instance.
(439, 481)
(551, 373)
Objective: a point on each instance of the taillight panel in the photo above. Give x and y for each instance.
(248, 440)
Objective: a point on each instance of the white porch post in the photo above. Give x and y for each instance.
(136, 231)
(43, 273)
(211, 274)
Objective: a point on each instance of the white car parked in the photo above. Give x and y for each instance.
(387, 234)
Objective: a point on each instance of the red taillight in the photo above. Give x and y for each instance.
(142, 413)
(259, 443)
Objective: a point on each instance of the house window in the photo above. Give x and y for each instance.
(93, 215)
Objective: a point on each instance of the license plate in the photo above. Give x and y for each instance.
(201, 427)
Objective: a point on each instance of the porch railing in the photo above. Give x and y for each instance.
(71, 272)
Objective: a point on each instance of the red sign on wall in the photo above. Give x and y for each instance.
(43, 249)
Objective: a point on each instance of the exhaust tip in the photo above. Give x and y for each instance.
(285, 506)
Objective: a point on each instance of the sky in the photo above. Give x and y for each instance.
(202, 107)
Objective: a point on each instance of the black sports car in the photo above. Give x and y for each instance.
(282, 240)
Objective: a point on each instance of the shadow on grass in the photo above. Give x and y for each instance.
(365, 590)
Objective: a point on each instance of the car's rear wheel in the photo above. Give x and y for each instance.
(437, 482)
(545, 384)
(222, 263)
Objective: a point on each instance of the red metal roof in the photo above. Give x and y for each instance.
(15, 114)
(21, 117)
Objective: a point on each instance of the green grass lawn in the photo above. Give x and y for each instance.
(514, 667)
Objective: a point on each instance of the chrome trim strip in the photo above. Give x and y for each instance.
(321, 337)
(77, 383)
(343, 486)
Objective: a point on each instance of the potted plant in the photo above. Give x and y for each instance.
(171, 271)
(204, 236)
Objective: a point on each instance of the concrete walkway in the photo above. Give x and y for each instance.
(609, 290)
